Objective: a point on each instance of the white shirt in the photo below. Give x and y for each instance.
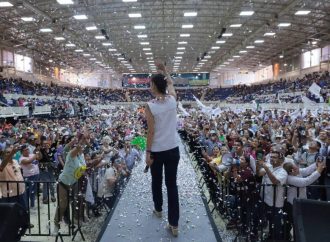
(305, 178)
(281, 175)
(165, 117)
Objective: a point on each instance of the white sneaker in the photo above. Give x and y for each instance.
(158, 214)
(174, 230)
(55, 230)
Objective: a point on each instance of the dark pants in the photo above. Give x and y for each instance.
(31, 189)
(170, 160)
(275, 216)
(48, 177)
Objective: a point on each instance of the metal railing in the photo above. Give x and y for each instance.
(244, 205)
(42, 215)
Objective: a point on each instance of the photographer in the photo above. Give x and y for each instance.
(274, 177)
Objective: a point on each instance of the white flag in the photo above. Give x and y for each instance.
(315, 89)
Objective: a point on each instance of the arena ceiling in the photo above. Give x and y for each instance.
(191, 35)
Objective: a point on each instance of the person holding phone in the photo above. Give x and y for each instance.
(163, 145)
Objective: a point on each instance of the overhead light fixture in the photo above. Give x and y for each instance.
(182, 42)
(204, 60)
(148, 53)
(46, 30)
(269, 34)
(123, 61)
(226, 63)
(134, 15)
(80, 17)
(89, 28)
(235, 25)
(178, 57)
(281, 56)
(146, 49)
(92, 58)
(121, 58)
(65, 2)
(142, 36)
(215, 47)
(184, 35)
(220, 42)
(50, 61)
(302, 12)
(181, 48)
(28, 19)
(106, 44)
(112, 50)
(242, 51)
(179, 53)
(144, 43)
(230, 59)
(86, 54)
(187, 26)
(227, 34)
(190, 14)
(5, 4)
(314, 42)
(59, 38)
(207, 57)
(139, 27)
(99, 37)
(284, 24)
(79, 50)
(246, 13)
(250, 47)
(222, 65)
(258, 41)
(98, 62)
(70, 45)
(236, 56)
(150, 61)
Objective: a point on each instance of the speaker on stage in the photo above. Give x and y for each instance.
(13, 223)
(311, 220)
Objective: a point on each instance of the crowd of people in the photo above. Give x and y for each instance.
(250, 154)
(248, 158)
(235, 94)
(86, 156)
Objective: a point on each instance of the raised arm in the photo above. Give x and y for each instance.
(170, 85)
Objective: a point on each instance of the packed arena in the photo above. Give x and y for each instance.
(140, 120)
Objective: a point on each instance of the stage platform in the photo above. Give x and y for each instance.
(132, 219)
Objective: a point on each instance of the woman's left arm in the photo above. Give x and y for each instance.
(150, 135)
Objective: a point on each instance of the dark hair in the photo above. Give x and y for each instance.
(160, 82)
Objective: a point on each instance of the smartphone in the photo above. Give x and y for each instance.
(260, 155)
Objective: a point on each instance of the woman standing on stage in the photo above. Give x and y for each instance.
(162, 145)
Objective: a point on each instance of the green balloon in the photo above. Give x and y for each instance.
(140, 141)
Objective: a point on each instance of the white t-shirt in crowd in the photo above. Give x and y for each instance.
(280, 175)
(29, 169)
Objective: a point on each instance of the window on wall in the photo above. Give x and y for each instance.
(306, 60)
(23, 63)
(8, 58)
(325, 53)
(315, 57)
